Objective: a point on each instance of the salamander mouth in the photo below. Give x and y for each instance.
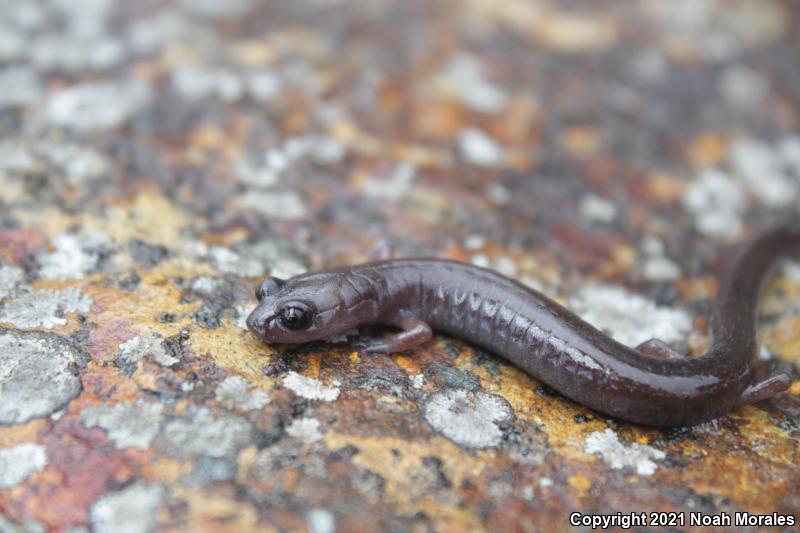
(259, 324)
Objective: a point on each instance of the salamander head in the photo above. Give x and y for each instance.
(303, 308)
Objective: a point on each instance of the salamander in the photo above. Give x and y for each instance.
(651, 384)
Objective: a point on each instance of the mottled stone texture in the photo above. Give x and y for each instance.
(157, 158)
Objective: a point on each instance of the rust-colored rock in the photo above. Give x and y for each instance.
(157, 159)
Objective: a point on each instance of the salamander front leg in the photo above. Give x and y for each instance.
(414, 333)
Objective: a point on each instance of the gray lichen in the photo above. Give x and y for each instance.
(310, 388)
(131, 510)
(236, 393)
(36, 377)
(619, 455)
(207, 432)
(129, 425)
(19, 462)
(45, 308)
(321, 521)
(470, 419)
(306, 429)
(149, 344)
(21, 87)
(11, 278)
(630, 318)
(98, 105)
(212, 9)
(73, 257)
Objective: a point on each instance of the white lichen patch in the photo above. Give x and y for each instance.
(213, 9)
(282, 205)
(498, 193)
(310, 388)
(618, 455)
(131, 510)
(393, 189)
(231, 262)
(320, 149)
(205, 285)
(263, 84)
(791, 269)
(241, 312)
(17, 157)
(200, 81)
(148, 34)
(764, 171)
(470, 419)
(36, 377)
(744, 89)
(305, 429)
(61, 162)
(768, 171)
(45, 308)
(480, 260)
(465, 76)
(711, 427)
(286, 268)
(73, 53)
(76, 164)
(11, 278)
(789, 148)
(716, 33)
(147, 345)
(417, 380)
(321, 521)
(236, 393)
(475, 241)
(478, 148)
(256, 176)
(595, 208)
(12, 44)
(21, 87)
(660, 269)
(717, 202)
(72, 258)
(207, 432)
(97, 105)
(630, 318)
(19, 462)
(129, 425)
(655, 265)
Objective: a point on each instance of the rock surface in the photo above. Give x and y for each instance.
(158, 158)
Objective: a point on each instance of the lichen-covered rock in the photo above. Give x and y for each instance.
(158, 159)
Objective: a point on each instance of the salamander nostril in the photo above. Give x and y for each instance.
(253, 323)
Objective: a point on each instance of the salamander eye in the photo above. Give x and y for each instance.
(269, 287)
(296, 315)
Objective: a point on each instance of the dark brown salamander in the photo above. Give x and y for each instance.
(650, 385)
